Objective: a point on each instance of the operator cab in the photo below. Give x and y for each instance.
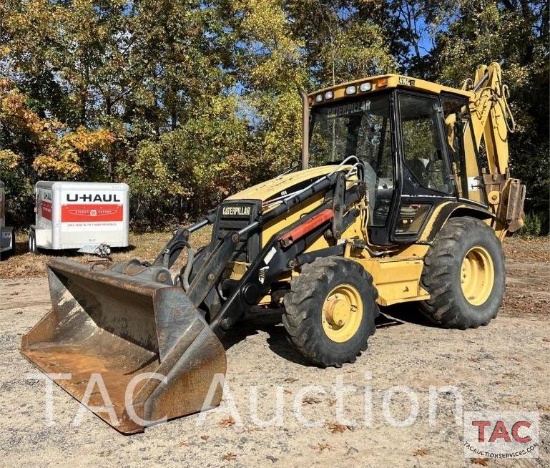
(410, 140)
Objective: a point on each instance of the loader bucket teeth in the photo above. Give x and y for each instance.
(141, 345)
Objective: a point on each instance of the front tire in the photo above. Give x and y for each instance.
(330, 311)
(465, 275)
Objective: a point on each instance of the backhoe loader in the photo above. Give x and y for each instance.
(403, 195)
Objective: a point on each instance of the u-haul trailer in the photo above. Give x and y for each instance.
(79, 215)
(7, 234)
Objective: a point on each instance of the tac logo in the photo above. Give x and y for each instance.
(492, 434)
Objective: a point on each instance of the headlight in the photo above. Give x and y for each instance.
(351, 89)
(365, 86)
(329, 95)
(319, 98)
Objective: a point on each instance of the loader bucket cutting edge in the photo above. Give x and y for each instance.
(107, 327)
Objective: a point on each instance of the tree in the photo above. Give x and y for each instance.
(343, 40)
(188, 100)
(179, 174)
(31, 147)
(517, 32)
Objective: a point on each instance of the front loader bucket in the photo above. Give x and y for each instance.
(109, 332)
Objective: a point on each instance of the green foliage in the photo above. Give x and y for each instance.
(188, 101)
(18, 190)
(516, 32)
(532, 225)
(189, 170)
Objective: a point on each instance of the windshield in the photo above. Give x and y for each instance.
(359, 128)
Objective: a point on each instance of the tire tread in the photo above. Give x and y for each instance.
(300, 321)
(443, 307)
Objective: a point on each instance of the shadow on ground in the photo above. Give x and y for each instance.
(277, 337)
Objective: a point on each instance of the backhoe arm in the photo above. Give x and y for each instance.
(492, 120)
(491, 116)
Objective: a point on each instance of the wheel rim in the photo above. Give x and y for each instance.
(477, 275)
(342, 313)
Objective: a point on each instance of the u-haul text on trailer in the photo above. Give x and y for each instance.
(98, 211)
(80, 214)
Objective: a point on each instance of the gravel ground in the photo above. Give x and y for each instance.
(501, 367)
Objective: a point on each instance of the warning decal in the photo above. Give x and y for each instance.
(82, 213)
(46, 209)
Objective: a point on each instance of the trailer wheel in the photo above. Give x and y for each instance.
(13, 240)
(4, 255)
(330, 311)
(32, 241)
(464, 274)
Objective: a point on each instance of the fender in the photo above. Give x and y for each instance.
(448, 210)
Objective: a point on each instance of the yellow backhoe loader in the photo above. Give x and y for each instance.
(403, 194)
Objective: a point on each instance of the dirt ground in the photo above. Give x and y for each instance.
(501, 367)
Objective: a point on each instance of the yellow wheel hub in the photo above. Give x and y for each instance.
(477, 275)
(342, 313)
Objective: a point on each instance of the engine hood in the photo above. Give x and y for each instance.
(284, 184)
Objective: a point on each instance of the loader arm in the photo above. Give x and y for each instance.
(282, 251)
(133, 327)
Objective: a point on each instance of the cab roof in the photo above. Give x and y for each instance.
(380, 82)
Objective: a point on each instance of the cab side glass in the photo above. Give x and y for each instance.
(455, 113)
(422, 145)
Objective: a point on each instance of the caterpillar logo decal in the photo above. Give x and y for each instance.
(236, 210)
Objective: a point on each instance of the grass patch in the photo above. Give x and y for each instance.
(144, 246)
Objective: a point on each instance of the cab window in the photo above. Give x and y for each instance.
(422, 146)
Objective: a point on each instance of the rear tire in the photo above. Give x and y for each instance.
(465, 275)
(330, 311)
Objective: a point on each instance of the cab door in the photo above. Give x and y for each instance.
(423, 164)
